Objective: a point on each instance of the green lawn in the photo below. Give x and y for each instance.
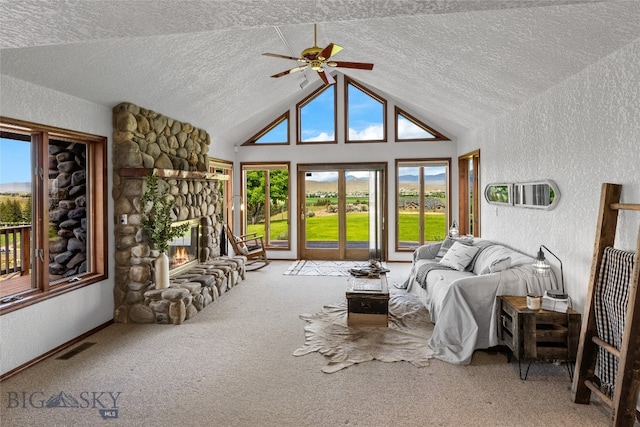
(325, 228)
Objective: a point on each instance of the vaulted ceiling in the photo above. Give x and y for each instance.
(457, 63)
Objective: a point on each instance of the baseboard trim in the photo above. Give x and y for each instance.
(53, 351)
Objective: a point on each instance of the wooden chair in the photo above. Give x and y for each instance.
(249, 245)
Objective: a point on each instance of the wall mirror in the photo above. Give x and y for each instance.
(498, 194)
(536, 194)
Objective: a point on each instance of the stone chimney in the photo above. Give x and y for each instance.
(147, 142)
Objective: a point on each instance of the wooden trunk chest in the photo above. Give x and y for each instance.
(368, 301)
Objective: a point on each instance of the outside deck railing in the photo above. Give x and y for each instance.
(14, 249)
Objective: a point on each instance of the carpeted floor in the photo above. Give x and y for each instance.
(323, 268)
(232, 365)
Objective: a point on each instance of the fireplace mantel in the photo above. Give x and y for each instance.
(172, 173)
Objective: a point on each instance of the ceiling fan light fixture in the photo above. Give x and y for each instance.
(316, 57)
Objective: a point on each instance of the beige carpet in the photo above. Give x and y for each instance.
(232, 365)
(405, 339)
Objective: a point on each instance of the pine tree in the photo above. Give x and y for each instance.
(26, 211)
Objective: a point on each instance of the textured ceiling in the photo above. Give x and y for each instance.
(455, 63)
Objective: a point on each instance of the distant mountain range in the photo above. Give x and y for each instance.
(439, 178)
(355, 184)
(432, 179)
(15, 187)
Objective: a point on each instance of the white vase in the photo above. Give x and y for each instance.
(162, 271)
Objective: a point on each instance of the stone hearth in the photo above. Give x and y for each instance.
(147, 142)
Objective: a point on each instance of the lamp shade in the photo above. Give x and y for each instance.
(541, 267)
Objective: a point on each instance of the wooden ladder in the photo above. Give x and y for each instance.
(625, 393)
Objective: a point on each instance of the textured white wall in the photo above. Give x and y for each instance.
(32, 331)
(581, 133)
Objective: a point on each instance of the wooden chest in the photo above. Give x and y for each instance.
(368, 301)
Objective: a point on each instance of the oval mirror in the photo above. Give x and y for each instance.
(498, 194)
(537, 195)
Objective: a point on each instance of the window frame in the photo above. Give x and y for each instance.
(265, 166)
(300, 105)
(224, 171)
(421, 162)
(97, 243)
(348, 81)
(466, 192)
(400, 112)
(253, 140)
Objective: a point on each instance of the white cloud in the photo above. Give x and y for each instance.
(370, 133)
(408, 130)
(323, 176)
(322, 136)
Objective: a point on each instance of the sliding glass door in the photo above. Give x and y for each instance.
(341, 211)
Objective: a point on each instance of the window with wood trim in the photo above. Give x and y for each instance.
(408, 128)
(422, 202)
(60, 242)
(365, 113)
(266, 198)
(224, 171)
(317, 117)
(469, 193)
(276, 133)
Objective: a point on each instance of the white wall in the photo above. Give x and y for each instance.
(32, 331)
(580, 134)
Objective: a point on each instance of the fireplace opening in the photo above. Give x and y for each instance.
(184, 250)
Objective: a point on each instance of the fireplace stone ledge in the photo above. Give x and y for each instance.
(188, 293)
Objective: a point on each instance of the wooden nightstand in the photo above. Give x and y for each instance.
(538, 334)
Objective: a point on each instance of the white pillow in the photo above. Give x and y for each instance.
(498, 265)
(459, 256)
(243, 247)
(444, 247)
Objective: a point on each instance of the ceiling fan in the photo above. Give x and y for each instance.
(318, 58)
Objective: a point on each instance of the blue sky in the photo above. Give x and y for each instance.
(15, 161)
(366, 121)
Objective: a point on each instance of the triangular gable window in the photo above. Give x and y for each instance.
(366, 114)
(276, 133)
(317, 117)
(408, 128)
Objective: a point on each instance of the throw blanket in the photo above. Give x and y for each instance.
(611, 296)
(423, 271)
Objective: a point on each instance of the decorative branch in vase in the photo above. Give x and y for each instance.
(157, 225)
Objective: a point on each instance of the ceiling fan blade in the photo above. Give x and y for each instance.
(326, 77)
(358, 65)
(276, 55)
(329, 51)
(293, 70)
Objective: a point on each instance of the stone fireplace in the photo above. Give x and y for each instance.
(145, 142)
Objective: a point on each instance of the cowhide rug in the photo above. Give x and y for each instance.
(405, 339)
